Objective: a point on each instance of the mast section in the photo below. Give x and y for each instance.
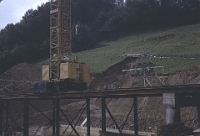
(60, 35)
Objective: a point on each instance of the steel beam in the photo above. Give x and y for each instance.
(117, 126)
(198, 114)
(53, 119)
(1, 117)
(7, 118)
(40, 111)
(88, 116)
(127, 117)
(70, 123)
(57, 117)
(112, 93)
(119, 93)
(26, 118)
(103, 100)
(80, 111)
(78, 121)
(135, 115)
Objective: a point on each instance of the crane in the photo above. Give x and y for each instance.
(63, 73)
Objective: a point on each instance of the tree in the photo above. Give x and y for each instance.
(99, 20)
(22, 41)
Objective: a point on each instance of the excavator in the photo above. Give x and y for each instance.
(62, 73)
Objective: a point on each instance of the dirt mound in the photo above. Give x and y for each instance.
(191, 76)
(19, 79)
(23, 71)
(113, 77)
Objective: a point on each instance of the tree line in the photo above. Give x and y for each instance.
(98, 20)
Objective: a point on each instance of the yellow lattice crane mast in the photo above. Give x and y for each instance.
(62, 73)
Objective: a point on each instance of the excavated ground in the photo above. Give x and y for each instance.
(21, 77)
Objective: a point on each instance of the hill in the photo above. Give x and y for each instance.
(175, 48)
(98, 21)
(151, 110)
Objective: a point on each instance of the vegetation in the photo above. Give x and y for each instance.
(174, 48)
(100, 22)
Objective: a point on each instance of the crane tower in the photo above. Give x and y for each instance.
(60, 35)
(61, 70)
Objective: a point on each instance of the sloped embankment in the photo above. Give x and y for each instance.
(151, 110)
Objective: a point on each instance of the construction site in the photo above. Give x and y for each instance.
(62, 97)
(111, 105)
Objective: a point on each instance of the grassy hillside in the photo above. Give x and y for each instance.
(180, 44)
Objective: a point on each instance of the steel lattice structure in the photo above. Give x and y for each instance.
(60, 35)
(17, 112)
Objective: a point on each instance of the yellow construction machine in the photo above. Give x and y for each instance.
(62, 73)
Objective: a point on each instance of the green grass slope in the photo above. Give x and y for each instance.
(180, 44)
